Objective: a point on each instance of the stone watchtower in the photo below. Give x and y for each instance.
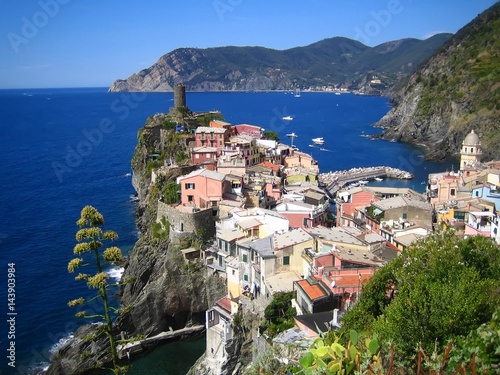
(179, 96)
(471, 152)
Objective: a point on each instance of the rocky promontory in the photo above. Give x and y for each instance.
(160, 292)
(454, 92)
(333, 63)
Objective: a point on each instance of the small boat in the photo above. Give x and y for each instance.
(297, 93)
(287, 118)
(323, 149)
(379, 179)
(318, 141)
(363, 182)
(293, 135)
(337, 93)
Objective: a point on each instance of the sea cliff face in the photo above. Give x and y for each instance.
(454, 92)
(161, 292)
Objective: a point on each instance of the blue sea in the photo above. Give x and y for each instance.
(62, 149)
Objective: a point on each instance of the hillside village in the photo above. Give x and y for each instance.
(267, 225)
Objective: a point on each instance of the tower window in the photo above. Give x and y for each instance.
(471, 150)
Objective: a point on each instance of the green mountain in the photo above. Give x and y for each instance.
(334, 63)
(453, 92)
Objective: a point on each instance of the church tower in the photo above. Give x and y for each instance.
(471, 152)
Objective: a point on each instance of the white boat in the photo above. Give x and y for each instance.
(318, 141)
(292, 135)
(287, 118)
(379, 179)
(297, 93)
(363, 182)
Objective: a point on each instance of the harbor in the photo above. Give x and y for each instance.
(334, 181)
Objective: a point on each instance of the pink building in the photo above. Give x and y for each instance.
(203, 188)
(211, 137)
(251, 130)
(204, 154)
(349, 200)
(301, 214)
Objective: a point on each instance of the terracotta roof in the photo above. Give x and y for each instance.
(269, 165)
(225, 303)
(313, 291)
(349, 281)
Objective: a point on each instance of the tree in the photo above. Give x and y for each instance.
(170, 192)
(446, 287)
(272, 135)
(90, 239)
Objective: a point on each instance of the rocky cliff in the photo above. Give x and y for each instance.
(161, 291)
(334, 62)
(455, 91)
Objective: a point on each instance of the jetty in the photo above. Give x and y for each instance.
(135, 347)
(333, 181)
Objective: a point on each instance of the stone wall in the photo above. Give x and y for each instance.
(187, 224)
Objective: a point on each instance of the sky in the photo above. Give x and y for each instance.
(90, 43)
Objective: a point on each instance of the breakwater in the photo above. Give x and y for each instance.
(333, 181)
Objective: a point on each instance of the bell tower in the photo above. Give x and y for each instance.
(471, 152)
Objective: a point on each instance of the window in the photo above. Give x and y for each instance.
(304, 222)
(405, 215)
(452, 191)
(190, 198)
(197, 156)
(286, 260)
(220, 143)
(189, 185)
(245, 277)
(207, 155)
(234, 272)
(214, 203)
(471, 150)
(245, 258)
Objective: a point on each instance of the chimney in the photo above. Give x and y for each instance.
(335, 322)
